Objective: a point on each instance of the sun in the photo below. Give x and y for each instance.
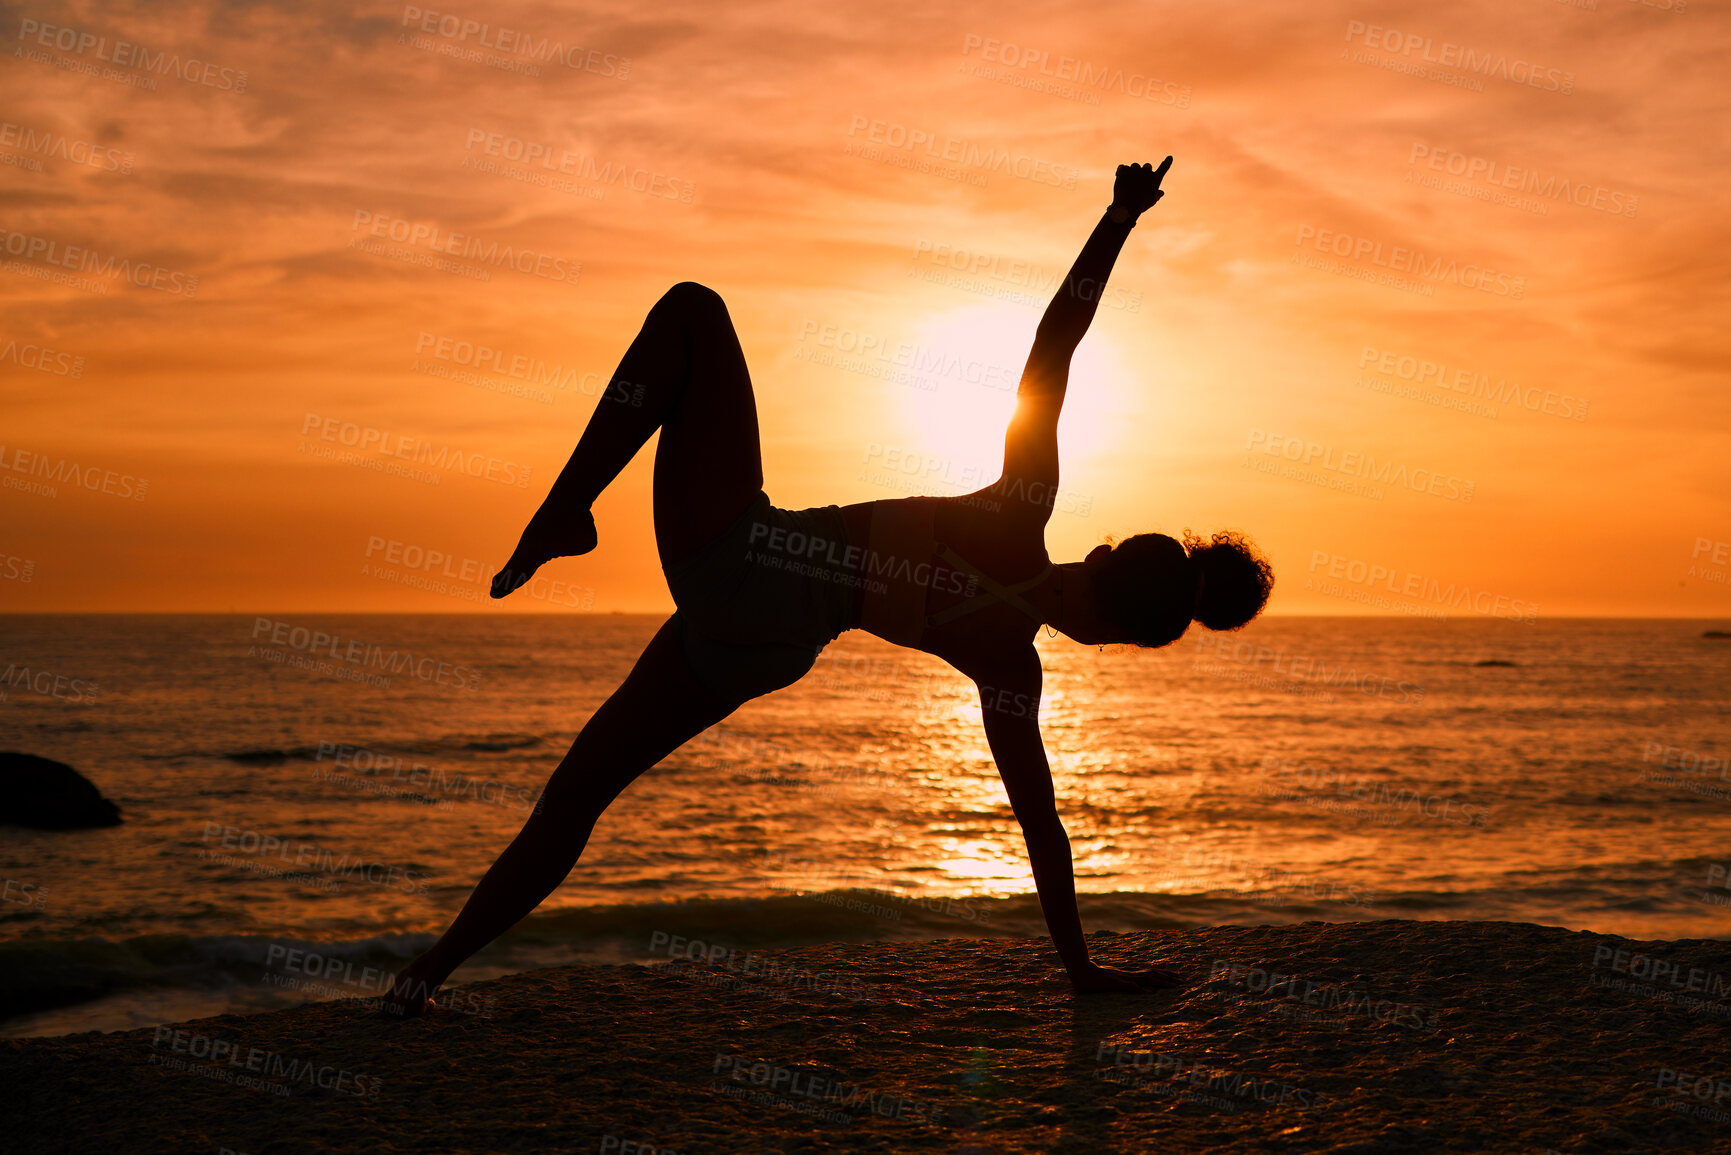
(960, 391)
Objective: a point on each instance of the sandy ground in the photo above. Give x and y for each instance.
(1363, 1037)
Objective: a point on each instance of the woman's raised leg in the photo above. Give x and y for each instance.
(685, 375)
(659, 708)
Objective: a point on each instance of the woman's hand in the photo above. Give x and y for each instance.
(1138, 186)
(408, 998)
(1097, 979)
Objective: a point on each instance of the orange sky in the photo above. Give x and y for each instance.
(1413, 254)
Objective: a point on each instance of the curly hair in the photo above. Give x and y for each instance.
(1152, 587)
(1236, 579)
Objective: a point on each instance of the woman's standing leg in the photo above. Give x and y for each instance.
(659, 708)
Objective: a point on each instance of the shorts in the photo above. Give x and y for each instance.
(761, 601)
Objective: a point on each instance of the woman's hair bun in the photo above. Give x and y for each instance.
(1236, 579)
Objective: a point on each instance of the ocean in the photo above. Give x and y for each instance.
(308, 799)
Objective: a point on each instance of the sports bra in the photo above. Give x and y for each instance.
(893, 605)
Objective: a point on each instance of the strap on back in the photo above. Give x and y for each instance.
(995, 591)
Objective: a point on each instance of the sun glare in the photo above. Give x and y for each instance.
(966, 366)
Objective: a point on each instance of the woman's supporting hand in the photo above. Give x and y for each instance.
(1137, 188)
(410, 996)
(1096, 979)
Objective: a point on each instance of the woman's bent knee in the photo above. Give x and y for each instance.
(692, 298)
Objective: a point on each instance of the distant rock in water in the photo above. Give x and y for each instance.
(496, 746)
(1716, 634)
(1494, 662)
(271, 756)
(48, 795)
(258, 757)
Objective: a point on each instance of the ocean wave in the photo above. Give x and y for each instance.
(490, 743)
(250, 972)
(38, 974)
(272, 757)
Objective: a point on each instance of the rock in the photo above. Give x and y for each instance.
(48, 795)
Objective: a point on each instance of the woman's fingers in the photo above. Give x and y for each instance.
(1156, 977)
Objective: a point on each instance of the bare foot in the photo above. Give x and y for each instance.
(545, 539)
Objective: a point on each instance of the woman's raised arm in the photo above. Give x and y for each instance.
(1067, 318)
(1031, 444)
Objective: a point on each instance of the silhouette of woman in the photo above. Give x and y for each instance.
(760, 590)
